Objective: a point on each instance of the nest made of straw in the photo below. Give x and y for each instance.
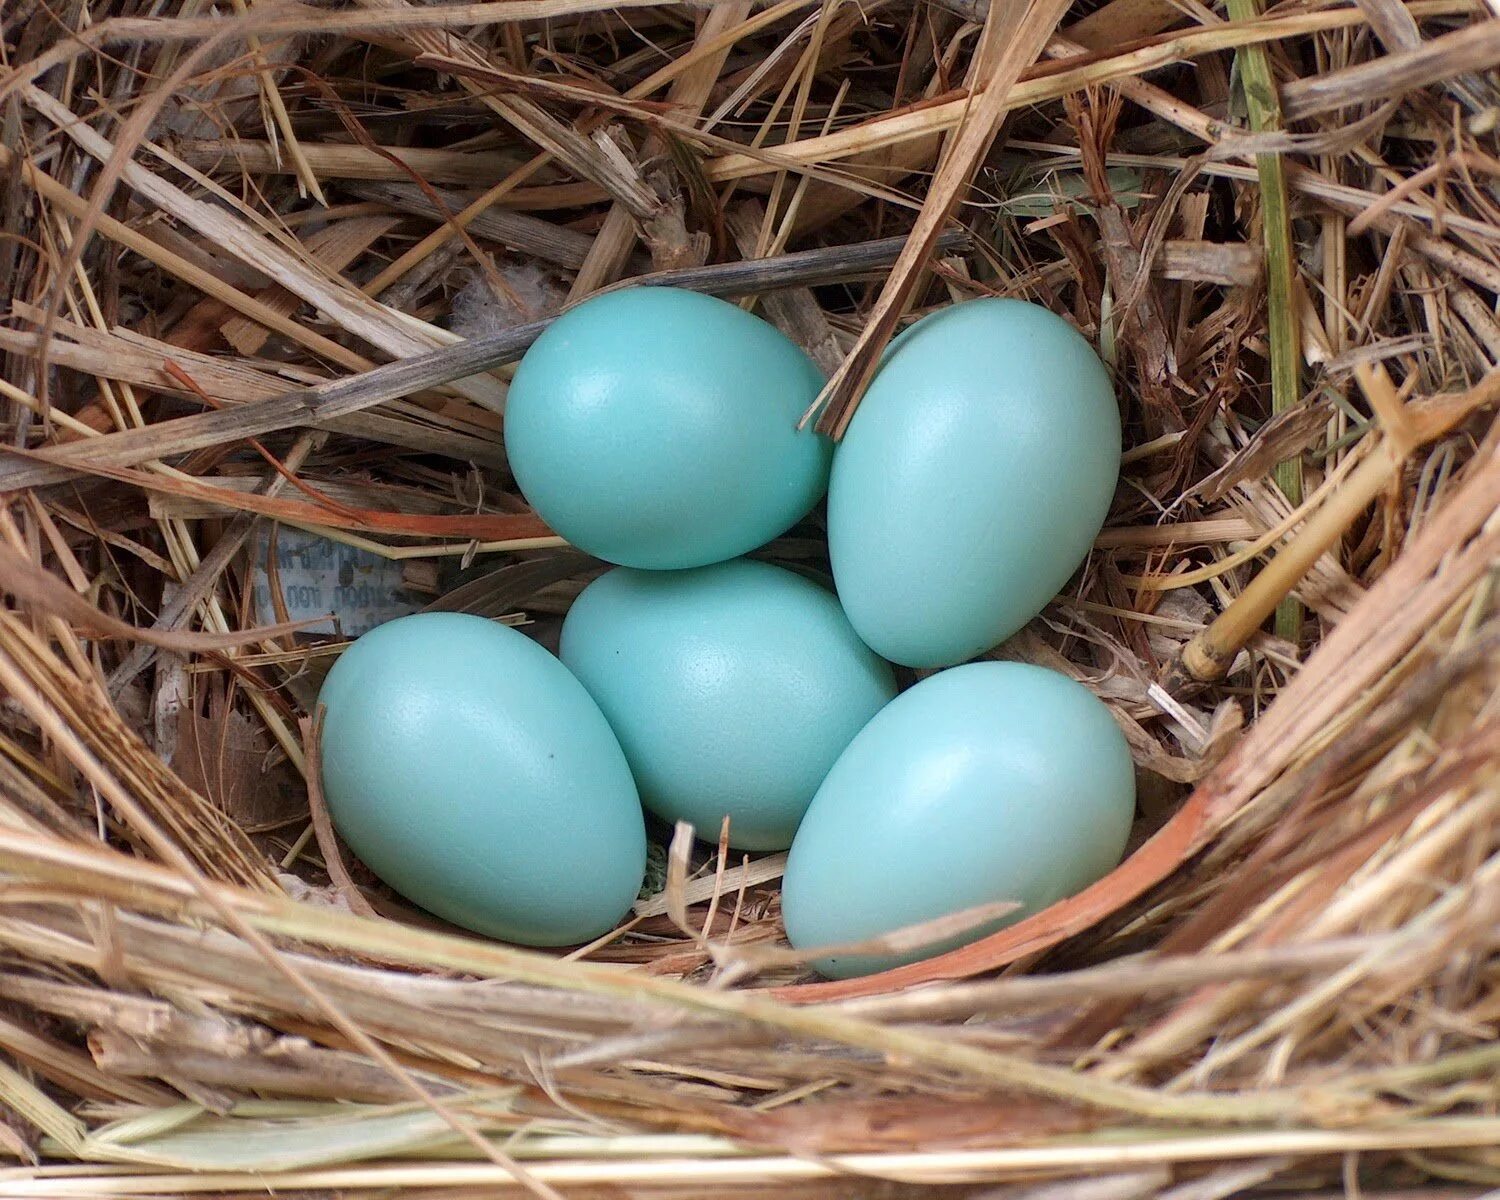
(1282, 230)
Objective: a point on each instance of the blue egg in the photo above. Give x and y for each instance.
(733, 688)
(986, 783)
(657, 428)
(471, 772)
(972, 481)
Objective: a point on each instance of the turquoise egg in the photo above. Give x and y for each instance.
(972, 481)
(732, 688)
(471, 772)
(657, 428)
(990, 782)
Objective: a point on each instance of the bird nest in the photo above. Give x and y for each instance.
(267, 269)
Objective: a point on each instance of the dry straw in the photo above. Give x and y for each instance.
(239, 248)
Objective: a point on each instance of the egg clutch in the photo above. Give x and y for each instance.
(502, 788)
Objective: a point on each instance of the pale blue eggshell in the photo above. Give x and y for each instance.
(972, 480)
(469, 770)
(657, 428)
(733, 688)
(985, 783)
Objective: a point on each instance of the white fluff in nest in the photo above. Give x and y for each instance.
(480, 308)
